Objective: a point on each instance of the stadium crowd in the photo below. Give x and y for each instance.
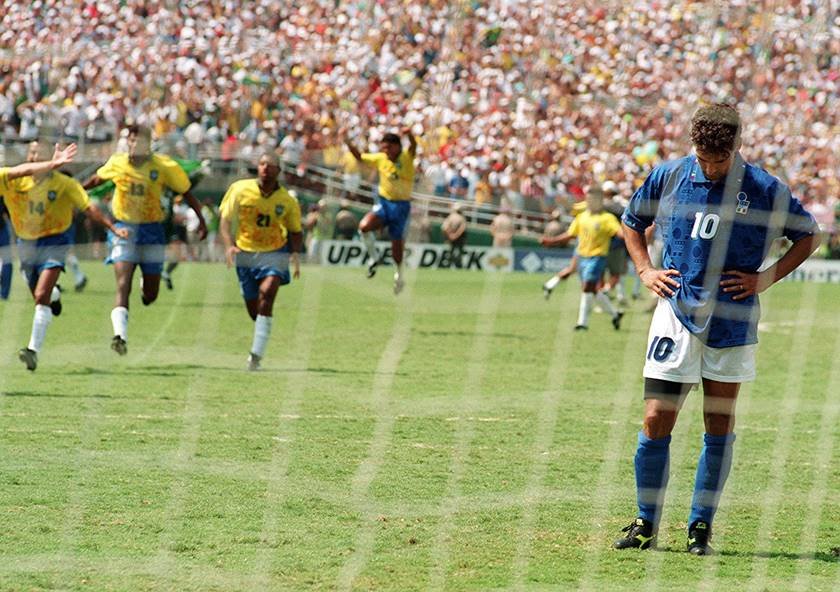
(524, 102)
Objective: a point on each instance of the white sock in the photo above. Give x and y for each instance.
(40, 321)
(73, 262)
(619, 290)
(370, 245)
(262, 331)
(55, 294)
(606, 304)
(119, 319)
(586, 301)
(552, 283)
(399, 272)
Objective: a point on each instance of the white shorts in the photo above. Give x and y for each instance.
(676, 355)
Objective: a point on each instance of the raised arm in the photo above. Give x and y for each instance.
(59, 158)
(412, 141)
(353, 150)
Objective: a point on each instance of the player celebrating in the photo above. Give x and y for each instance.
(41, 204)
(594, 229)
(268, 234)
(718, 216)
(393, 200)
(140, 176)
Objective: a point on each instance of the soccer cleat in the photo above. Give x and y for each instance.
(80, 285)
(616, 320)
(167, 280)
(119, 345)
(253, 362)
(399, 284)
(371, 268)
(581, 328)
(56, 307)
(640, 535)
(699, 535)
(28, 357)
(546, 292)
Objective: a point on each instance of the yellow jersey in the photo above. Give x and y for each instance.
(594, 232)
(396, 179)
(139, 189)
(264, 222)
(44, 207)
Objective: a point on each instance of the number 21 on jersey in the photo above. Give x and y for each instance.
(705, 225)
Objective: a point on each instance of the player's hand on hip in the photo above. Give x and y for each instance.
(742, 284)
(230, 255)
(660, 281)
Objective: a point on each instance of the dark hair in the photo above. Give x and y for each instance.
(138, 130)
(716, 128)
(390, 138)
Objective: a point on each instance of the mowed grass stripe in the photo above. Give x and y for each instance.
(485, 324)
(380, 395)
(302, 338)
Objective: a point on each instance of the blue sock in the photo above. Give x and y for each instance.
(651, 475)
(5, 280)
(712, 471)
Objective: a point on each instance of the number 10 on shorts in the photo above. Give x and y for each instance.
(660, 349)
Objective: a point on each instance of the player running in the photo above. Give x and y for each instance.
(393, 199)
(41, 204)
(594, 228)
(718, 217)
(140, 177)
(268, 234)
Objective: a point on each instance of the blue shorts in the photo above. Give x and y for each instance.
(252, 268)
(145, 245)
(47, 252)
(591, 268)
(394, 214)
(5, 241)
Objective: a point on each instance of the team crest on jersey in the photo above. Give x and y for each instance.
(51, 195)
(153, 175)
(279, 210)
(743, 204)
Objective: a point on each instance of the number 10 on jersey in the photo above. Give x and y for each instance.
(705, 225)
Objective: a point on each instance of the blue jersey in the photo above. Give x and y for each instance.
(708, 228)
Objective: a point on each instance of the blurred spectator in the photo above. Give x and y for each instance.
(554, 227)
(458, 185)
(346, 223)
(454, 228)
(502, 228)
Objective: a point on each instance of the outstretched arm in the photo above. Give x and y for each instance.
(96, 215)
(59, 158)
(353, 150)
(556, 241)
(92, 181)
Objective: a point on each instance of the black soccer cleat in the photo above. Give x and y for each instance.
(546, 292)
(640, 535)
(371, 268)
(581, 328)
(80, 286)
(28, 357)
(616, 320)
(119, 345)
(699, 535)
(56, 307)
(167, 280)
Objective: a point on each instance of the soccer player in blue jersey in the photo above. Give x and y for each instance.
(717, 216)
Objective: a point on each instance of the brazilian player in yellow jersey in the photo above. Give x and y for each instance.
(140, 177)
(268, 235)
(41, 204)
(594, 229)
(393, 200)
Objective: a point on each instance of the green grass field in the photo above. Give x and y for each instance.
(459, 437)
